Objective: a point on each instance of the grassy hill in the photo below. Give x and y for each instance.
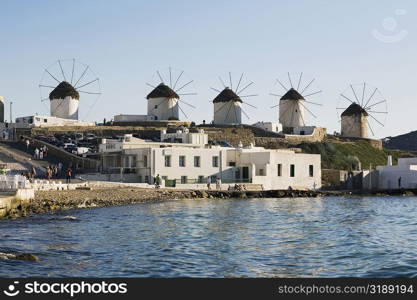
(342, 155)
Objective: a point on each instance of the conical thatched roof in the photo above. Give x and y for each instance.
(227, 95)
(64, 89)
(162, 91)
(354, 109)
(292, 94)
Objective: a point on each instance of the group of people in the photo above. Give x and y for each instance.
(40, 153)
(53, 171)
(218, 183)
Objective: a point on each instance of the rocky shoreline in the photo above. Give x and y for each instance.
(51, 201)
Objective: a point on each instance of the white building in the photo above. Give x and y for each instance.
(185, 164)
(64, 101)
(291, 109)
(133, 118)
(185, 136)
(269, 126)
(227, 108)
(402, 175)
(46, 121)
(163, 103)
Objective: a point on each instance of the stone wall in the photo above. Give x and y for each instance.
(231, 135)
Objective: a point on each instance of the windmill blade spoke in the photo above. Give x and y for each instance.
(88, 83)
(319, 104)
(152, 86)
(274, 106)
(253, 95)
(52, 76)
(176, 81)
(156, 107)
(215, 89)
(72, 73)
(47, 86)
(299, 81)
(248, 85)
(186, 103)
(376, 120)
(369, 125)
(249, 105)
(289, 78)
(230, 80)
(370, 98)
(247, 116)
(240, 80)
(377, 112)
(375, 104)
(341, 107)
(354, 93)
(276, 95)
(228, 111)
(307, 86)
(93, 93)
(44, 99)
(308, 110)
(170, 77)
(315, 93)
(347, 98)
(182, 111)
(187, 94)
(184, 86)
(221, 107)
(363, 93)
(283, 86)
(82, 75)
(222, 82)
(160, 77)
(62, 71)
(234, 109)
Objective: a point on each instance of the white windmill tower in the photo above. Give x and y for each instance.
(164, 101)
(363, 107)
(228, 103)
(65, 97)
(293, 104)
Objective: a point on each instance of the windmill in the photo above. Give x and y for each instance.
(228, 103)
(62, 83)
(165, 98)
(293, 101)
(361, 106)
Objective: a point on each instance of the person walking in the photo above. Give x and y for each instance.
(69, 174)
(36, 155)
(208, 183)
(27, 144)
(157, 182)
(218, 183)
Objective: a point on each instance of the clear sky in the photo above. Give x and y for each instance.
(125, 42)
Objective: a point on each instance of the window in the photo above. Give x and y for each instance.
(167, 160)
(215, 161)
(261, 172)
(232, 163)
(45, 120)
(183, 179)
(181, 161)
(197, 161)
(292, 170)
(279, 167)
(311, 170)
(145, 161)
(140, 178)
(201, 179)
(156, 106)
(147, 179)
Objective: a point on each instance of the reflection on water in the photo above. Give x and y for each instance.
(323, 237)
